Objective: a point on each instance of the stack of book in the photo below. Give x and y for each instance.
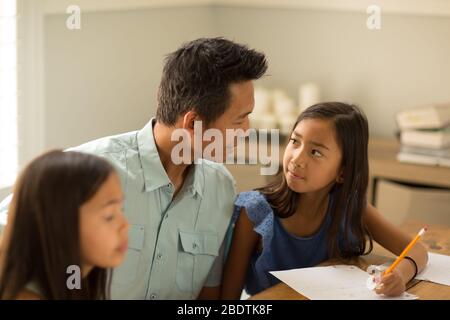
(425, 135)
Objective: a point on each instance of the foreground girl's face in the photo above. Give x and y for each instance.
(312, 160)
(103, 227)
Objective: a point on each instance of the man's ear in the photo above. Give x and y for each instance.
(189, 119)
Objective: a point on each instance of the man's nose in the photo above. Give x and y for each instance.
(125, 225)
(246, 126)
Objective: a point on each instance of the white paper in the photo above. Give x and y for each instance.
(437, 269)
(340, 282)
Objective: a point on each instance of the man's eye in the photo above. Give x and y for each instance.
(109, 217)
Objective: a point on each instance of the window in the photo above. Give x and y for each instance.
(8, 93)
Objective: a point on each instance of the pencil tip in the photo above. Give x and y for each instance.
(424, 229)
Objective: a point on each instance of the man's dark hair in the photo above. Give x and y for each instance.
(197, 77)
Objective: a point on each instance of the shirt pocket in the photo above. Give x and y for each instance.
(127, 271)
(196, 255)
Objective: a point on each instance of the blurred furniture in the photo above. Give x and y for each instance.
(404, 191)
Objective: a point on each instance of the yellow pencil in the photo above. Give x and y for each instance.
(405, 252)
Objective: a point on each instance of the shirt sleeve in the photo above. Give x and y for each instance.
(255, 205)
(215, 274)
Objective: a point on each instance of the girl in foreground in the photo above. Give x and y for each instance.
(65, 216)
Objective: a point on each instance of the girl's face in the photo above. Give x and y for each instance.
(103, 227)
(312, 160)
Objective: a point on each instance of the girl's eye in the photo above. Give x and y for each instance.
(109, 218)
(316, 153)
(294, 141)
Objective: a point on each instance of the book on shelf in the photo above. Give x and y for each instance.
(426, 138)
(426, 156)
(445, 152)
(429, 117)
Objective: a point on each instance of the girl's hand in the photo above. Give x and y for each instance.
(391, 284)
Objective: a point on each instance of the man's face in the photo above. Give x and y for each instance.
(235, 117)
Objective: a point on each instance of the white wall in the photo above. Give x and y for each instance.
(405, 64)
(102, 79)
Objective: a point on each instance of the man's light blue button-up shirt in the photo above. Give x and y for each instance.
(175, 245)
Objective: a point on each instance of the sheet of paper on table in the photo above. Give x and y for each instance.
(340, 282)
(437, 269)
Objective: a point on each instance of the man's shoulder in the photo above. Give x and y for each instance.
(110, 144)
(214, 170)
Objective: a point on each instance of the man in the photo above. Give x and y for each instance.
(179, 212)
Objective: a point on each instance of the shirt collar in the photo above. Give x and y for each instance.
(154, 174)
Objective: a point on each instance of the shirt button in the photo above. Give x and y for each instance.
(194, 246)
(159, 256)
(153, 296)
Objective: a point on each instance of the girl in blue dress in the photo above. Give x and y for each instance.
(317, 209)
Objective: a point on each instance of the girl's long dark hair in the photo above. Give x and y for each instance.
(45, 235)
(352, 134)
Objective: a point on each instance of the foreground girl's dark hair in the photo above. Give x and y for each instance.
(45, 235)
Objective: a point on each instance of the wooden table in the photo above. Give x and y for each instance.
(383, 164)
(437, 239)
